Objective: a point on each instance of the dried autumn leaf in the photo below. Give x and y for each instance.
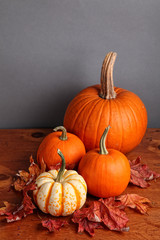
(17, 212)
(103, 212)
(84, 224)
(112, 216)
(19, 185)
(88, 226)
(25, 183)
(138, 180)
(140, 173)
(23, 175)
(53, 224)
(7, 208)
(43, 166)
(134, 201)
(111, 201)
(94, 212)
(25, 178)
(34, 169)
(27, 201)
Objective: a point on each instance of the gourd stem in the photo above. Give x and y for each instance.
(62, 169)
(107, 86)
(102, 144)
(63, 137)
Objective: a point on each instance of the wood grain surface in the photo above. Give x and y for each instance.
(16, 146)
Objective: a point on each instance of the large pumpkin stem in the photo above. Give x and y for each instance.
(63, 137)
(107, 87)
(102, 144)
(62, 169)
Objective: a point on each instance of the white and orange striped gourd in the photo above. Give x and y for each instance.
(61, 192)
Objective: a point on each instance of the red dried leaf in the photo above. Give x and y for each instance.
(25, 183)
(7, 208)
(27, 201)
(105, 211)
(94, 212)
(140, 173)
(134, 201)
(29, 187)
(84, 224)
(53, 224)
(88, 226)
(17, 212)
(138, 180)
(111, 201)
(112, 216)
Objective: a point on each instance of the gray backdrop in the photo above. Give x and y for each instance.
(52, 49)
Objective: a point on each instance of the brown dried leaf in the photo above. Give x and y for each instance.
(25, 178)
(134, 201)
(19, 184)
(34, 170)
(53, 224)
(7, 208)
(17, 212)
(23, 175)
(140, 173)
(43, 166)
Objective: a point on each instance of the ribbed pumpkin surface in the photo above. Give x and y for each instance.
(60, 198)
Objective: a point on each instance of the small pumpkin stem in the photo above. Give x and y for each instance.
(62, 169)
(102, 144)
(107, 86)
(63, 137)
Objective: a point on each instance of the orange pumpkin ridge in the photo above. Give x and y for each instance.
(97, 106)
(48, 196)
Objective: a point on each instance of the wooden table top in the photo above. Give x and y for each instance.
(16, 146)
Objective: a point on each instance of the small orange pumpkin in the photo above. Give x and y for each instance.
(100, 105)
(72, 147)
(107, 173)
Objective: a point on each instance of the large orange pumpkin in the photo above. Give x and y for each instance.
(106, 172)
(72, 147)
(100, 105)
